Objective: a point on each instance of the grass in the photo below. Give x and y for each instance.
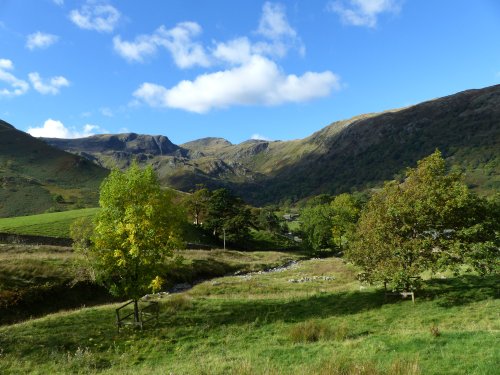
(54, 224)
(263, 323)
(32, 275)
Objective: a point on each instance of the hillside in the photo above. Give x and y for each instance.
(36, 177)
(350, 154)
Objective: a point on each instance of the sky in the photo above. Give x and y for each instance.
(240, 70)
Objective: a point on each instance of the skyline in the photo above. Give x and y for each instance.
(268, 70)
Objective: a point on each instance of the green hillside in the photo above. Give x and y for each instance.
(35, 177)
(54, 224)
(356, 153)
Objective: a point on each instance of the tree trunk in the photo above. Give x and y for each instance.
(136, 312)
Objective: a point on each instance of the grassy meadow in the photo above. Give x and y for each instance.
(313, 318)
(55, 224)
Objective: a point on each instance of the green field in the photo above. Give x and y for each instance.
(311, 319)
(54, 224)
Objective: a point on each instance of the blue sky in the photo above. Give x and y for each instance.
(234, 69)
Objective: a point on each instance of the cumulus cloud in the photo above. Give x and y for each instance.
(96, 16)
(259, 81)
(177, 40)
(56, 129)
(40, 40)
(48, 86)
(14, 85)
(363, 12)
(236, 51)
(249, 73)
(58, 2)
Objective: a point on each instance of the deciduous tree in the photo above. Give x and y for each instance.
(430, 221)
(136, 229)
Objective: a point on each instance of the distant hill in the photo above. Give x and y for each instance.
(357, 153)
(36, 177)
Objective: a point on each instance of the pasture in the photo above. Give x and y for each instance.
(310, 318)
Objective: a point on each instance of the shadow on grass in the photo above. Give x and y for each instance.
(267, 311)
(459, 291)
(449, 292)
(198, 269)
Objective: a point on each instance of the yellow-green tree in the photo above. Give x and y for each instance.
(136, 229)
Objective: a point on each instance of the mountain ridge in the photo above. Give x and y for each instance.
(356, 153)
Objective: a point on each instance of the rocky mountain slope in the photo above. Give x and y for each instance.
(35, 177)
(350, 154)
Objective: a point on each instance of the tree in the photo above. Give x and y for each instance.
(136, 229)
(345, 211)
(266, 219)
(196, 204)
(226, 212)
(430, 221)
(316, 227)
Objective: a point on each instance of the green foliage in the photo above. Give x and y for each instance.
(228, 212)
(136, 229)
(268, 220)
(428, 222)
(330, 225)
(196, 204)
(346, 209)
(316, 227)
(55, 224)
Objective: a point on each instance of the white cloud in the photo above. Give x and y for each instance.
(363, 12)
(251, 76)
(278, 37)
(40, 40)
(274, 26)
(137, 50)
(178, 41)
(259, 81)
(15, 86)
(56, 129)
(273, 22)
(58, 2)
(96, 16)
(48, 86)
(236, 51)
(259, 137)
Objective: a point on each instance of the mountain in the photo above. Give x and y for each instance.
(117, 150)
(357, 153)
(35, 177)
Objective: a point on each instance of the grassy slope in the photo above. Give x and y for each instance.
(54, 224)
(263, 323)
(36, 280)
(33, 173)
